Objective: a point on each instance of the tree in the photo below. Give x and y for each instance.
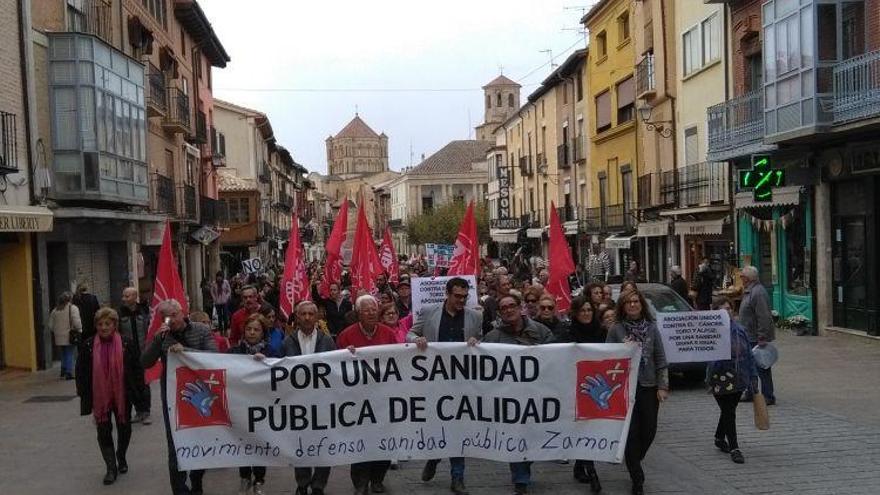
(442, 224)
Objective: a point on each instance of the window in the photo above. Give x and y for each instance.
(190, 168)
(852, 32)
(239, 210)
(626, 180)
(691, 51)
(623, 28)
(602, 45)
(579, 86)
(510, 101)
(787, 46)
(754, 75)
(488, 101)
(498, 99)
(182, 44)
(795, 242)
(427, 205)
(603, 111)
(156, 8)
(691, 146)
(711, 39)
(626, 100)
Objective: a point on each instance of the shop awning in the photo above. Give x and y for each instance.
(508, 236)
(534, 233)
(657, 228)
(782, 196)
(25, 219)
(700, 227)
(619, 241)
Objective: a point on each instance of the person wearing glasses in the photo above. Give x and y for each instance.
(449, 321)
(519, 330)
(636, 325)
(548, 316)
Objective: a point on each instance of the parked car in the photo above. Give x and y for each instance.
(662, 299)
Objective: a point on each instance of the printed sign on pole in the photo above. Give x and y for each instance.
(695, 336)
(430, 290)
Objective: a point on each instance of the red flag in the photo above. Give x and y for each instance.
(561, 264)
(333, 262)
(295, 280)
(166, 286)
(466, 257)
(365, 266)
(388, 258)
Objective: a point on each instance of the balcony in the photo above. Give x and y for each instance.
(646, 191)
(580, 148)
(285, 202)
(209, 211)
(187, 209)
(8, 144)
(201, 136)
(703, 184)
(264, 175)
(619, 218)
(562, 156)
(218, 148)
(736, 127)
(177, 119)
(668, 191)
(591, 220)
(857, 88)
(645, 84)
(566, 213)
(156, 92)
(163, 194)
(525, 165)
(91, 17)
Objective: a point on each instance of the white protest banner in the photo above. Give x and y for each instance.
(695, 336)
(253, 265)
(430, 290)
(438, 255)
(491, 401)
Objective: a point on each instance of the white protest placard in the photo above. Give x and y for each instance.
(493, 401)
(695, 336)
(430, 290)
(438, 255)
(253, 265)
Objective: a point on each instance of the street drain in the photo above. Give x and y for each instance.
(50, 398)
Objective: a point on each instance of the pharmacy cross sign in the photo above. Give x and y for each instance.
(762, 178)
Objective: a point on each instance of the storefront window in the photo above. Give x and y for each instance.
(794, 225)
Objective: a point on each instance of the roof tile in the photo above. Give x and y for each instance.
(457, 157)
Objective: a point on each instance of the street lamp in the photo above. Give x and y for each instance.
(659, 126)
(543, 170)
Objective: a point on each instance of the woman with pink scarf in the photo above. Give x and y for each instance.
(108, 378)
(389, 316)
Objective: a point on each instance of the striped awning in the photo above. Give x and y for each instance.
(782, 196)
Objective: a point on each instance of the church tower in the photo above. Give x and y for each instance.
(501, 101)
(357, 150)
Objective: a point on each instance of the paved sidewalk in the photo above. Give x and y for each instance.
(824, 439)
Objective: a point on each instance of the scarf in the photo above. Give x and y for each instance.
(253, 349)
(638, 329)
(108, 383)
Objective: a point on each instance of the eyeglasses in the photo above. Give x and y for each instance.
(508, 307)
(551, 308)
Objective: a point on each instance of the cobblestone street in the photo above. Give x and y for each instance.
(823, 439)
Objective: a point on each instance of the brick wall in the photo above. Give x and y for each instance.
(12, 95)
(745, 40)
(872, 23)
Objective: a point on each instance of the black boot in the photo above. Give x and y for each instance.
(105, 442)
(123, 432)
(579, 472)
(595, 485)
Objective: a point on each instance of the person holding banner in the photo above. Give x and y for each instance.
(636, 325)
(449, 321)
(306, 339)
(728, 380)
(365, 333)
(177, 334)
(518, 330)
(109, 380)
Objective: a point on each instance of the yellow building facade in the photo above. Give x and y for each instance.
(613, 154)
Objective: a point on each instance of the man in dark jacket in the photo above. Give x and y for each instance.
(307, 339)
(335, 307)
(134, 322)
(178, 335)
(678, 283)
(88, 306)
(704, 283)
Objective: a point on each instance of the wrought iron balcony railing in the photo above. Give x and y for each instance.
(703, 184)
(736, 122)
(178, 118)
(8, 143)
(156, 92)
(562, 156)
(857, 88)
(645, 83)
(163, 194)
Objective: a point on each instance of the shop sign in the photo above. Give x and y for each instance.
(762, 178)
(26, 219)
(504, 193)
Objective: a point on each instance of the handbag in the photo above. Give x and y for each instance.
(762, 417)
(74, 336)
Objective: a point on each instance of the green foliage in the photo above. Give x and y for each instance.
(441, 226)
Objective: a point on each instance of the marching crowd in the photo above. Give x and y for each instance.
(242, 316)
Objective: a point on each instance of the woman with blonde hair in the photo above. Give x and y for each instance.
(108, 380)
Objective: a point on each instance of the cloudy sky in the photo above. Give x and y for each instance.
(413, 69)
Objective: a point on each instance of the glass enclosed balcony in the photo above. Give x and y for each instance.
(98, 122)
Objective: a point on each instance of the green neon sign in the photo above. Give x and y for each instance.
(762, 178)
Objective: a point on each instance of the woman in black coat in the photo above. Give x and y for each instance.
(109, 377)
(583, 327)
